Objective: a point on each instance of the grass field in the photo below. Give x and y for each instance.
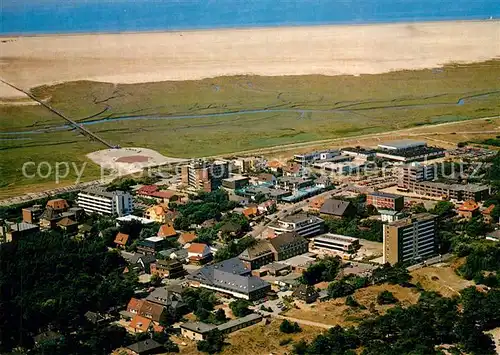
(335, 312)
(256, 340)
(233, 114)
(442, 279)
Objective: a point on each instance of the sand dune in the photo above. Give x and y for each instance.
(329, 50)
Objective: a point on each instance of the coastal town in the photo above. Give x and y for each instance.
(203, 250)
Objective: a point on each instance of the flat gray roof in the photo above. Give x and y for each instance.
(402, 144)
(198, 327)
(235, 322)
(299, 217)
(19, 227)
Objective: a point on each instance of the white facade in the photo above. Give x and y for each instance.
(303, 225)
(336, 242)
(99, 201)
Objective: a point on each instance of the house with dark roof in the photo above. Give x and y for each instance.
(150, 245)
(257, 255)
(167, 298)
(287, 245)
(169, 268)
(230, 277)
(337, 208)
(146, 347)
(69, 226)
(306, 293)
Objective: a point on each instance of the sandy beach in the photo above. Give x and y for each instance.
(185, 55)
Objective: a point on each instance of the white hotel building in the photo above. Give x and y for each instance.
(100, 201)
(303, 224)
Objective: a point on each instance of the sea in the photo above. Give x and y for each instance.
(89, 16)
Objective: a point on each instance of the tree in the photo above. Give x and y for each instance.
(300, 347)
(351, 302)
(240, 308)
(220, 316)
(340, 289)
(476, 227)
(213, 343)
(418, 208)
(443, 208)
(325, 269)
(206, 235)
(155, 280)
(288, 327)
(386, 297)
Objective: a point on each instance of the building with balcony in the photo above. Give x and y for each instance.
(410, 240)
(204, 175)
(100, 201)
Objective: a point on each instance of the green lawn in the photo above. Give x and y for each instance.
(340, 106)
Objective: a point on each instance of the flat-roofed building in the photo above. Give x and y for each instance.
(402, 144)
(410, 240)
(336, 242)
(292, 183)
(358, 152)
(458, 192)
(310, 157)
(100, 201)
(409, 175)
(303, 224)
(16, 231)
(235, 182)
(385, 201)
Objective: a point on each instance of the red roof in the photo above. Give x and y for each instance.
(121, 238)
(154, 191)
(488, 210)
(187, 237)
(166, 231)
(140, 323)
(469, 206)
(197, 248)
(134, 304)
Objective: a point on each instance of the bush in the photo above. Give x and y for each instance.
(288, 327)
(386, 297)
(351, 302)
(285, 341)
(213, 343)
(240, 308)
(340, 289)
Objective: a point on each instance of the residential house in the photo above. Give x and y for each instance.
(337, 208)
(293, 183)
(140, 324)
(170, 269)
(265, 178)
(287, 245)
(196, 330)
(180, 255)
(468, 209)
(251, 212)
(323, 182)
(58, 205)
(154, 192)
(69, 226)
(230, 277)
(275, 165)
(306, 293)
(160, 214)
(171, 301)
(167, 231)
(199, 253)
(186, 237)
(316, 203)
(145, 308)
(487, 214)
(235, 182)
(293, 169)
(144, 262)
(121, 240)
(267, 206)
(230, 228)
(146, 347)
(32, 214)
(257, 255)
(150, 245)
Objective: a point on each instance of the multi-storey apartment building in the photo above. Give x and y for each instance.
(203, 175)
(100, 201)
(410, 175)
(410, 240)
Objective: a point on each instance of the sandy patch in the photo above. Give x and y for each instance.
(126, 161)
(185, 55)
